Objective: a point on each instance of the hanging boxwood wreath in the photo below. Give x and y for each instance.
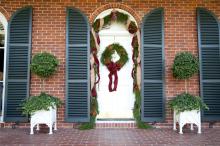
(185, 65)
(44, 64)
(113, 67)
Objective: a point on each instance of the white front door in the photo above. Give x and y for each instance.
(118, 104)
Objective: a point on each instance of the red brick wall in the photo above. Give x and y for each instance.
(49, 34)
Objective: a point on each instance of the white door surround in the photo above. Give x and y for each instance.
(4, 22)
(118, 104)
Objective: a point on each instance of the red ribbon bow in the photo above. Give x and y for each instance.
(113, 68)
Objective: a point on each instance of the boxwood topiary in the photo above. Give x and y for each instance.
(185, 65)
(44, 64)
(187, 102)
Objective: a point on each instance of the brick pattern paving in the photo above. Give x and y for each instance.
(109, 137)
(116, 125)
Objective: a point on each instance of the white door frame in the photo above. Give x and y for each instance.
(4, 21)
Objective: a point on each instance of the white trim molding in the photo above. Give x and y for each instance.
(3, 20)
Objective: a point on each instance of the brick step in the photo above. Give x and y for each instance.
(115, 124)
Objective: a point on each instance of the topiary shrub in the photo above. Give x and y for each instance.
(185, 65)
(44, 64)
(187, 102)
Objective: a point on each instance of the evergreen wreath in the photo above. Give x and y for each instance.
(107, 55)
(113, 67)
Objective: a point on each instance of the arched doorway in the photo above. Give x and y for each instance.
(3, 40)
(118, 104)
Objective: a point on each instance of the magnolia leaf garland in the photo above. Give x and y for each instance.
(113, 67)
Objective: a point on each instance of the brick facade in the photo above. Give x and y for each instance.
(49, 27)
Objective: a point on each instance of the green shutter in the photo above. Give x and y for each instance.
(18, 60)
(209, 53)
(153, 67)
(77, 67)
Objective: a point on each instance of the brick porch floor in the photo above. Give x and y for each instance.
(109, 137)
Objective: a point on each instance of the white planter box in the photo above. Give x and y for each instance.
(187, 117)
(44, 117)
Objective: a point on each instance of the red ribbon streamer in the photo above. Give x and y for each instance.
(133, 57)
(134, 40)
(97, 63)
(93, 92)
(113, 68)
(98, 38)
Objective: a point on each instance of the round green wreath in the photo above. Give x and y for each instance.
(107, 55)
(185, 65)
(44, 64)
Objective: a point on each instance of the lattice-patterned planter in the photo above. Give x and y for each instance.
(187, 117)
(44, 117)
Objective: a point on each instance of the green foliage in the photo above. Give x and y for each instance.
(132, 28)
(89, 125)
(187, 102)
(142, 125)
(136, 52)
(41, 102)
(107, 54)
(107, 20)
(185, 65)
(137, 112)
(122, 18)
(92, 42)
(96, 25)
(44, 64)
(94, 108)
(94, 111)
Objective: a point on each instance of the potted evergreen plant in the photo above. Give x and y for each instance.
(42, 108)
(186, 107)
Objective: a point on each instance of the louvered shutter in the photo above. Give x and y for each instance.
(209, 53)
(77, 67)
(153, 67)
(18, 60)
